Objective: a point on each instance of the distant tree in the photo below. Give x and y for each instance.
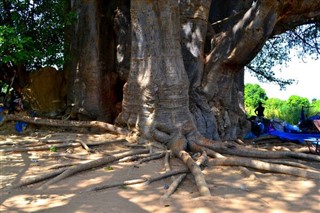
(297, 101)
(273, 108)
(315, 107)
(31, 36)
(253, 94)
(291, 110)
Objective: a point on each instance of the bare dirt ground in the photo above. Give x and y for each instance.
(231, 190)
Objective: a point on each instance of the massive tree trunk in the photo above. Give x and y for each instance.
(93, 84)
(186, 61)
(156, 93)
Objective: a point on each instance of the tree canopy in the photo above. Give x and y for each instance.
(32, 33)
(292, 41)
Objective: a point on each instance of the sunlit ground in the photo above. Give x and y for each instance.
(231, 190)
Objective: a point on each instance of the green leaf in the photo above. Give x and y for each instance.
(109, 168)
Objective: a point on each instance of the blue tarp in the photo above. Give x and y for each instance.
(300, 137)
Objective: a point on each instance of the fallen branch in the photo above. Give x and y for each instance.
(40, 148)
(65, 123)
(93, 164)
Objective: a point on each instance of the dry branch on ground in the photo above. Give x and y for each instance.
(221, 154)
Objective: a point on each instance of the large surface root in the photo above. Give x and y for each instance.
(251, 152)
(65, 123)
(223, 154)
(276, 168)
(93, 164)
(197, 173)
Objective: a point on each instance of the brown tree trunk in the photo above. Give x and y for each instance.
(156, 94)
(92, 77)
(181, 70)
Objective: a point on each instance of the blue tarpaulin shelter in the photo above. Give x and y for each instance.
(299, 137)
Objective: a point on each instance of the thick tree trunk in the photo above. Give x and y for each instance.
(194, 22)
(176, 75)
(156, 94)
(92, 77)
(238, 40)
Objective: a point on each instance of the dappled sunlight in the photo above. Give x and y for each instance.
(232, 191)
(35, 202)
(89, 182)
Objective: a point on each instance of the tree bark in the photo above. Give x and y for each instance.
(190, 74)
(156, 93)
(92, 79)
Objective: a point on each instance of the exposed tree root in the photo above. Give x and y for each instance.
(66, 155)
(196, 171)
(85, 146)
(254, 153)
(137, 181)
(223, 154)
(173, 187)
(151, 157)
(93, 164)
(110, 185)
(62, 166)
(39, 178)
(65, 123)
(200, 162)
(141, 157)
(288, 163)
(255, 164)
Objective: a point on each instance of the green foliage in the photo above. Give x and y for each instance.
(32, 32)
(286, 110)
(253, 94)
(273, 107)
(296, 101)
(277, 51)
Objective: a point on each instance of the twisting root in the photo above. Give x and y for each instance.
(197, 173)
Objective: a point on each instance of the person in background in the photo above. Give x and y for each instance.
(259, 111)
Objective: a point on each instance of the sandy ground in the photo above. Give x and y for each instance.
(231, 190)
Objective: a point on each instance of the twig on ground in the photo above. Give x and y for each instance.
(93, 164)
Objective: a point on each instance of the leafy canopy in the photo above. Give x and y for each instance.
(253, 94)
(301, 41)
(32, 32)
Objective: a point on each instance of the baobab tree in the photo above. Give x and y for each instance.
(208, 60)
(177, 69)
